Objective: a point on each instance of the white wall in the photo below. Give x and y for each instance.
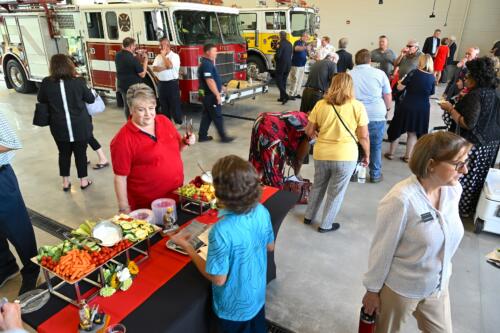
(404, 19)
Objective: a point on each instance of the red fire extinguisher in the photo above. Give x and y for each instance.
(366, 322)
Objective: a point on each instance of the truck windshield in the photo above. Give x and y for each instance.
(194, 28)
(299, 23)
(230, 28)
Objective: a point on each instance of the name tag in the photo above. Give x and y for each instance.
(427, 217)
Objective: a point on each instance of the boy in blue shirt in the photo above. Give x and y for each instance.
(237, 251)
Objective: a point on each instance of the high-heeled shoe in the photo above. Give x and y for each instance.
(89, 182)
(67, 188)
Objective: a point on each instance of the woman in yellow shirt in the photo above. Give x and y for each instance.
(335, 152)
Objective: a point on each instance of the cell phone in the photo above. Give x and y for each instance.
(3, 301)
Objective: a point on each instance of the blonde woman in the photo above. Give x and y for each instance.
(146, 153)
(412, 114)
(417, 232)
(337, 121)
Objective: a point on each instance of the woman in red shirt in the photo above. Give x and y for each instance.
(146, 153)
(440, 60)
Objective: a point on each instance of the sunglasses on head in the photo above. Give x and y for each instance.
(410, 45)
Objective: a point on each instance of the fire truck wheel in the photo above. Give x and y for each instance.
(255, 65)
(16, 76)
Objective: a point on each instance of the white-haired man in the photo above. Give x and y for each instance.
(318, 81)
(408, 58)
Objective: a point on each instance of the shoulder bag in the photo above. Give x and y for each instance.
(361, 151)
(96, 107)
(42, 116)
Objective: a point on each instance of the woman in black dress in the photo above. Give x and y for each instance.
(412, 114)
(477, 115)
(70, 123)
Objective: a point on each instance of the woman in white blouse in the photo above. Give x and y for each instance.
(418, 231)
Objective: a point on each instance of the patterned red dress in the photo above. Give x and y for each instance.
(275, 139)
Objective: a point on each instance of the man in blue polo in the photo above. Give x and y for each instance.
(373, 89)
(299, 59)
(210, 88)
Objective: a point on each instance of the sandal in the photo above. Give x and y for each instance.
(389, 156)
(89, 182)
(404, 159)
(67, 188)
(100, 166)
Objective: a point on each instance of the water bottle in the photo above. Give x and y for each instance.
(361, 174)
(366, 322)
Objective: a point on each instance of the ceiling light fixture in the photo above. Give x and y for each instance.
(433, 9)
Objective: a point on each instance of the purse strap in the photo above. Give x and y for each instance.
(66, 111)
(345, 126)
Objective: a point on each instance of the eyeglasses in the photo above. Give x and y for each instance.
(459, 165)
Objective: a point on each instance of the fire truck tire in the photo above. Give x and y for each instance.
(255, 65)
(17, 78)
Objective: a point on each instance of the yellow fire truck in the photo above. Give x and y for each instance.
(261, 26)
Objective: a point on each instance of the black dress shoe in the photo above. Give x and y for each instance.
(29, 283)
(227, 139)
(284, 100)
(205, 139)
(8, 274)
(291, 98)
(298, 96)
(334, 227)
(280, 100)
(307, 221)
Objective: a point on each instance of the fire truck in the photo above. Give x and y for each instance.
(261, 27)
(34, 30)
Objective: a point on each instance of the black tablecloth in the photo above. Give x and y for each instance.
(182, 305)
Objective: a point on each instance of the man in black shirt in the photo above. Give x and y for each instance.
(318, 82)
(129, 69)
(345, 58)
(283, 60)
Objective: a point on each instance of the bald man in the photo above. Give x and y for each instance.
(456, 85)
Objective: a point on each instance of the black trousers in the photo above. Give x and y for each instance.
(170, 100)
(211, 112)
(93, 143)
(309, 99)
(281, 77)
(15, 226)
(66, 149)
(123, 94)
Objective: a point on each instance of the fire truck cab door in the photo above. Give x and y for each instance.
(105, 32)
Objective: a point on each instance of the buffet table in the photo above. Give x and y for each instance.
(168, 295)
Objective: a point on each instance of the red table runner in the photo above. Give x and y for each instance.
(162, 265)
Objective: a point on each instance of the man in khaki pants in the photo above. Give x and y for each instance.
(299, 59)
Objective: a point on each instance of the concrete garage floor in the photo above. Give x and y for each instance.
(318, 288)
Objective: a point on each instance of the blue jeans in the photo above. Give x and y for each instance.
(376, 130)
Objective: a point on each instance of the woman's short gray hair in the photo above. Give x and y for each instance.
(139, 91)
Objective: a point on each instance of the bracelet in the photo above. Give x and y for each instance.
(121, 210)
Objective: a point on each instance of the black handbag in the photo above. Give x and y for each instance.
(361, 151)
(42, 115)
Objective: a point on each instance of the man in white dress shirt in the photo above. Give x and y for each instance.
(325, 49)
(166, 67)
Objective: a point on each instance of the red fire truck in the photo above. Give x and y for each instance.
(34, 30)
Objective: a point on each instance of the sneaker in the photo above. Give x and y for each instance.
(9, 274)
(227, 139)
(29, 283)
(334, 227)
(205, 139)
